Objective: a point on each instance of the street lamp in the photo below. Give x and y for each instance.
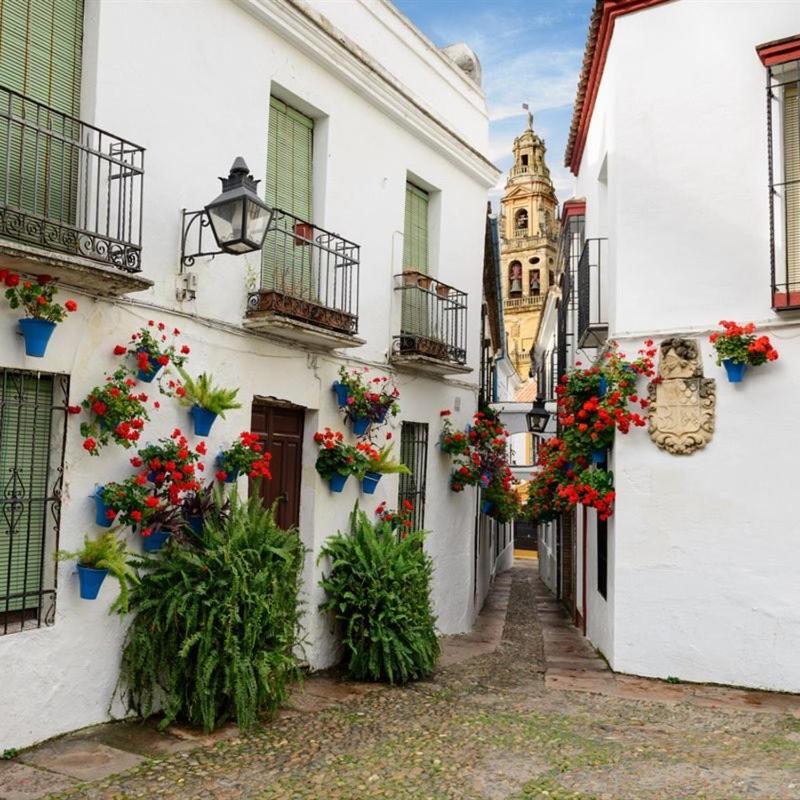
(537, 417)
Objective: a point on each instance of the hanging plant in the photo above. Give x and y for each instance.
(245, 457)
(336, 460)
(366, 400)
(171, 465)
(401, 519)
(118, 414)
(205, 401)
(738, 347)
(154, 349)
(451, 441)
(42, 312)
(593, 488)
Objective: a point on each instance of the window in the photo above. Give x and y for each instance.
(33, 408)
(415, 239)
(602, 557)
(521, 220)
(515, 279)
(782, 60)
(534, 282)
(524, 159)
(414, 454)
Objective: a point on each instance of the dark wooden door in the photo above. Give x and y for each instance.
(281, 432)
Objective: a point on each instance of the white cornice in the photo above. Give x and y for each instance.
(312, 33)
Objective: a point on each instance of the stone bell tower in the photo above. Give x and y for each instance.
(528, 241)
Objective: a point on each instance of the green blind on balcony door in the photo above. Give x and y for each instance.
(791, 150)
(415, 239)
(40, 57)
(24, 452)
(286, 265)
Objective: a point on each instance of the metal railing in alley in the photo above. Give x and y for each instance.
(308, 274)
(433, 319)
(592, 302)
(68, 186)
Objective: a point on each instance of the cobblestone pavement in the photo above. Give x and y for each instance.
(486, 728)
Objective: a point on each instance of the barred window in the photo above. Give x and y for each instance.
(414, 454)
(33, 409)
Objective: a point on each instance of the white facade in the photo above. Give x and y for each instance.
(191, 83)
(701, 548)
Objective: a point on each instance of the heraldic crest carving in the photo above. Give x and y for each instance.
(682, 401)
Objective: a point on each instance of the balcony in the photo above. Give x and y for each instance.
(592, 311)
(527, 303)
(309, 285)
(70, 199)
(433, 326)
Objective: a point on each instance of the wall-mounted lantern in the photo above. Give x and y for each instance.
(537, 417)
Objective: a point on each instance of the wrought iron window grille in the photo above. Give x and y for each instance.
(414, 454)
(592, 320)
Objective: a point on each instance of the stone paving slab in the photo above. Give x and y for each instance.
(84, 759)
(19, 781)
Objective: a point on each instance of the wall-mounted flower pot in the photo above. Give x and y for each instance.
(337, 481)
(231, 477)
(101, 509)
(486, 506)
(360, 425)
(303, 233)
(423, 281)
(90, 580)
(36, 333)
(735, 370)
(369, 482)
(195, 523)
(342, 393)
(148, 376)
(598, 456)
(602, 387)
(155, 541)
(203, 420)
(443, 291)
(381, 418)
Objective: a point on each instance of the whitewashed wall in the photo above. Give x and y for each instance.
(702, 549)
(191, 83)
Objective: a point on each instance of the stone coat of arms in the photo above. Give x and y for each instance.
(682, 402)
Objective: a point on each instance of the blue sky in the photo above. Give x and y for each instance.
(530, 51)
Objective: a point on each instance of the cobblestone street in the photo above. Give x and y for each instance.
(488, 726)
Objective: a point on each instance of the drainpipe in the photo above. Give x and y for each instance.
(499, 294)
(583, 565)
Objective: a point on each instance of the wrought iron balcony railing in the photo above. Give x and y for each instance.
(68, 186)
(434, 319)
(307, 274)
(592, 311)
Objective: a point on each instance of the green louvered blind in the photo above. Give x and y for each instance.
(415, 240)
(287, 266)
(25, 432)
(40, 57)
(791, 149)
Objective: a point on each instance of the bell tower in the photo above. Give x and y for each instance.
(528, 241)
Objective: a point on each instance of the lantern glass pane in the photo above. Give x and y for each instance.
(226, 219)
(257, 220)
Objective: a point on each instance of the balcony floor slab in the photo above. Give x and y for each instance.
(285, 329)
(413, 362)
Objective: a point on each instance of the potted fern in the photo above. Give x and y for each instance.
(95, 560)
(376, 463)
(206, 401)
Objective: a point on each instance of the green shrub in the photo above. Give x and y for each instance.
(379, 591)
(216, 625)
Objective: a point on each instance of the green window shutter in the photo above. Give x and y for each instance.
(40, 57)
(415, 240)
(25, 432)
(791, 162)
(286, 266)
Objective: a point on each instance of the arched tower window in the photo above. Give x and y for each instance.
(534, 283)
(521, 220)
(515, 279)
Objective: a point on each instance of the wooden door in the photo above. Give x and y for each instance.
(281, 431)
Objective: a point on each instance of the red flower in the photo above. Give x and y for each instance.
(156, 404)
(110, 513)
(12, 279)
(445, 412)
(176, 332)
(151, 501)
(221, 475)
(136, 462)
(201, 448)
(74, 409)
(90, 444)
(388, 436)
(119, 350)
(318, 437)
(185, 349)
(71, 305)
(163, 360)
(136, 515)
(161, 326)
(43, 280)
(41, 300)
(99, 408)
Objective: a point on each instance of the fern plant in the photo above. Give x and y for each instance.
(378, 590)
(107, 552)
(202, 392)
(384, 463)
(216, 627)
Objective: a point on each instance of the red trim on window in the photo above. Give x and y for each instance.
(570, 208)
(594, 62)
(780, 51)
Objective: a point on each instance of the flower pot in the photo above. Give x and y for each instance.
(342, 392)
(360, 425)
(155, 541)
(91, 580)
(369, 482)
(233, 476)
(603, 386)
(442, 291)
(36, 333)
(100, 509)
(203, 420)
(337, 481)
(195, 523)
(734, 369)
(423, 281)
(598, 456)
(147, 377)
(303, 233)
(486, 506)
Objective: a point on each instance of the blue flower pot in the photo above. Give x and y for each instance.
(195, 522)
(360, 425)
(598, 456)
(381, 418)
(36, 333)
(232, 476)
(341, 393)
(735, 370)
(369, 482)
(603, 386)
(203, 420)
(100, 509)
(147, 377)
(91, 580)
(337, 482)
(486, 506)
(155, 541)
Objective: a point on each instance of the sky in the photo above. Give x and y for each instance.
(530, 52)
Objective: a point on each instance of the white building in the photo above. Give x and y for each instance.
(354, 122)
(685, 150)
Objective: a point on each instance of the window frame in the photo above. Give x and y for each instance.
(414, 454)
